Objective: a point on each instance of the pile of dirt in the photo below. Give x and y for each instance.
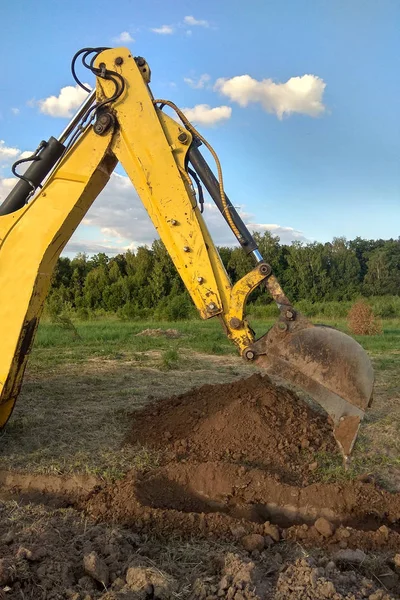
(169, 333)
(249, 422)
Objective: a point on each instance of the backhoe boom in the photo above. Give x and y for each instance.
(130, 127)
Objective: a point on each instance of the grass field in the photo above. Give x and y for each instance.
(83, 383)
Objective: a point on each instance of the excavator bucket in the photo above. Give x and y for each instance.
(330, 366)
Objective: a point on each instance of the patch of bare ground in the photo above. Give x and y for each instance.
(227, 505)
(60, 553)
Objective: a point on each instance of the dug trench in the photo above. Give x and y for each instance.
(233, 459)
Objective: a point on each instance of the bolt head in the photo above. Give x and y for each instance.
(235, 323)
(183, 137)
(211, 306)
(119, 60)
(186, 249)
(200, 279)
(249, 355)
(290, 314)
(265, 269)
(173, 222)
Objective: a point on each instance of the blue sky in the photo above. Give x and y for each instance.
(316, 157)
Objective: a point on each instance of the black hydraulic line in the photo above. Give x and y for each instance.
(211, 184)
(44, 161)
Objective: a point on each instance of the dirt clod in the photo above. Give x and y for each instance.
(7, 571)
(96, 568)
(253, 541)
(272, 531)
(355, 557)
(324, 527)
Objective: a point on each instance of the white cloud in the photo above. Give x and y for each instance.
(15, 111)
(124, 37)
(203, 114)
(8, 155)
(7, 152)
(190, 20)
(285, 234)
(199, 83)
(120, 215)
(118, 221)
(298, 95)
(92, 247)
(65, 104)
(6, 185)
(163, 30)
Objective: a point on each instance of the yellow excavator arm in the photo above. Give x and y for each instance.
(122, 122)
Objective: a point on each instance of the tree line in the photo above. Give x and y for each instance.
(145, 283)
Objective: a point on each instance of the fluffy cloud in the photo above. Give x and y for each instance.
(119, 214)
(163, 30)
(190, 20)
(118, 221)
(285, 234)
(15, 111)
(298, 95)
(198, 84)
(203, 114)
(65, 104)
(124, 37)
(7, 153)
(6, 186)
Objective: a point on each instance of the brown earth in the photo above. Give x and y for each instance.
(248, 422)
(234, 456)
(237, 471)
(61, 554)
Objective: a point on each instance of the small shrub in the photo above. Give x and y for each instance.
(362, 321)
(170, 359)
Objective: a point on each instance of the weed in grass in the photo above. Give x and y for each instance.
(170, 359)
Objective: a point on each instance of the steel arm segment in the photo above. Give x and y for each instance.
(31, 240)
(145, 140)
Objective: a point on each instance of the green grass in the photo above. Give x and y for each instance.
(80, 391)
(108, 336)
